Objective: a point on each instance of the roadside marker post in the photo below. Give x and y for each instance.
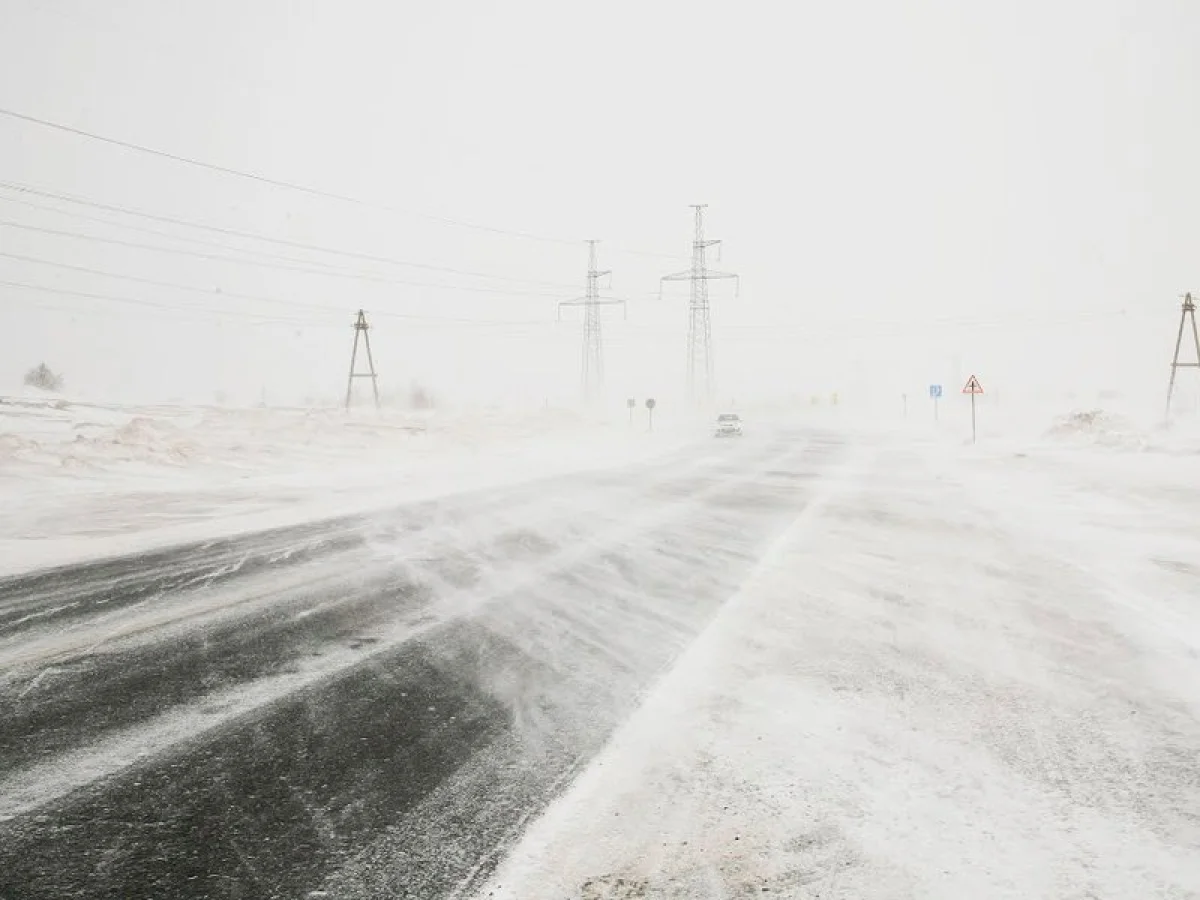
(935, 394)
(631, 403)
(973, 387)
(650, 404)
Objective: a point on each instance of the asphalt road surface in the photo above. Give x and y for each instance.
(368, 706)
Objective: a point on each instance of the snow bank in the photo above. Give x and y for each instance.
(1107, 423)
(1097, 427)
(1105, 430)
(82, 479)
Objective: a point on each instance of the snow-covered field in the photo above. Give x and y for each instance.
(963, 672)
(85, 479)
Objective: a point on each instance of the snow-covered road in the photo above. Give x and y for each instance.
(959, 675)
(807, 663)
(370, 705)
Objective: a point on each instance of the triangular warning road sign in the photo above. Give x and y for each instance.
(973, 386)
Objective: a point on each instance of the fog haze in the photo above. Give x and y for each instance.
(910, 192)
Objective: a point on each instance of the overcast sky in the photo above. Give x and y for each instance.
(910, 191)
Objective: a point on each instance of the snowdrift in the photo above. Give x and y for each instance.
(1097, 427)
(75, 476)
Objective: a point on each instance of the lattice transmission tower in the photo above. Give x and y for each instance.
(362, 331)
(592, 371)
(700, 373)
(1187, 314)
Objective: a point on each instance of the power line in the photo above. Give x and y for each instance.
(233, 232)
(250, 256)
(113, 298)
(766, 332)
(211, 292)
(238, 173)
(299, 245)
(134, 301)
(326, 268)
(290, 185)
(181, 315)
(306, 269)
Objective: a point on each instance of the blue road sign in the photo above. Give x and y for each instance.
(935, 391)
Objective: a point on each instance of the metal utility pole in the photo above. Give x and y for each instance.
(362, 329)
(700, 352)
(1189, 311)
(592, 374)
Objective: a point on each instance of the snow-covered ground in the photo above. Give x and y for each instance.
(966, 670)
(85, 479)
(963, 672)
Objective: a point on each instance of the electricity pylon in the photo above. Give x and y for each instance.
(700, 351)
(362, 329)
(592, 375)
(1188, 312)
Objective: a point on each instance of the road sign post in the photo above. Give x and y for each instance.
(631, 403)
(935, 394)
(650, 404)
(973, 387)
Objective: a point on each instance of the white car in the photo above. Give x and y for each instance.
(729, 425)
